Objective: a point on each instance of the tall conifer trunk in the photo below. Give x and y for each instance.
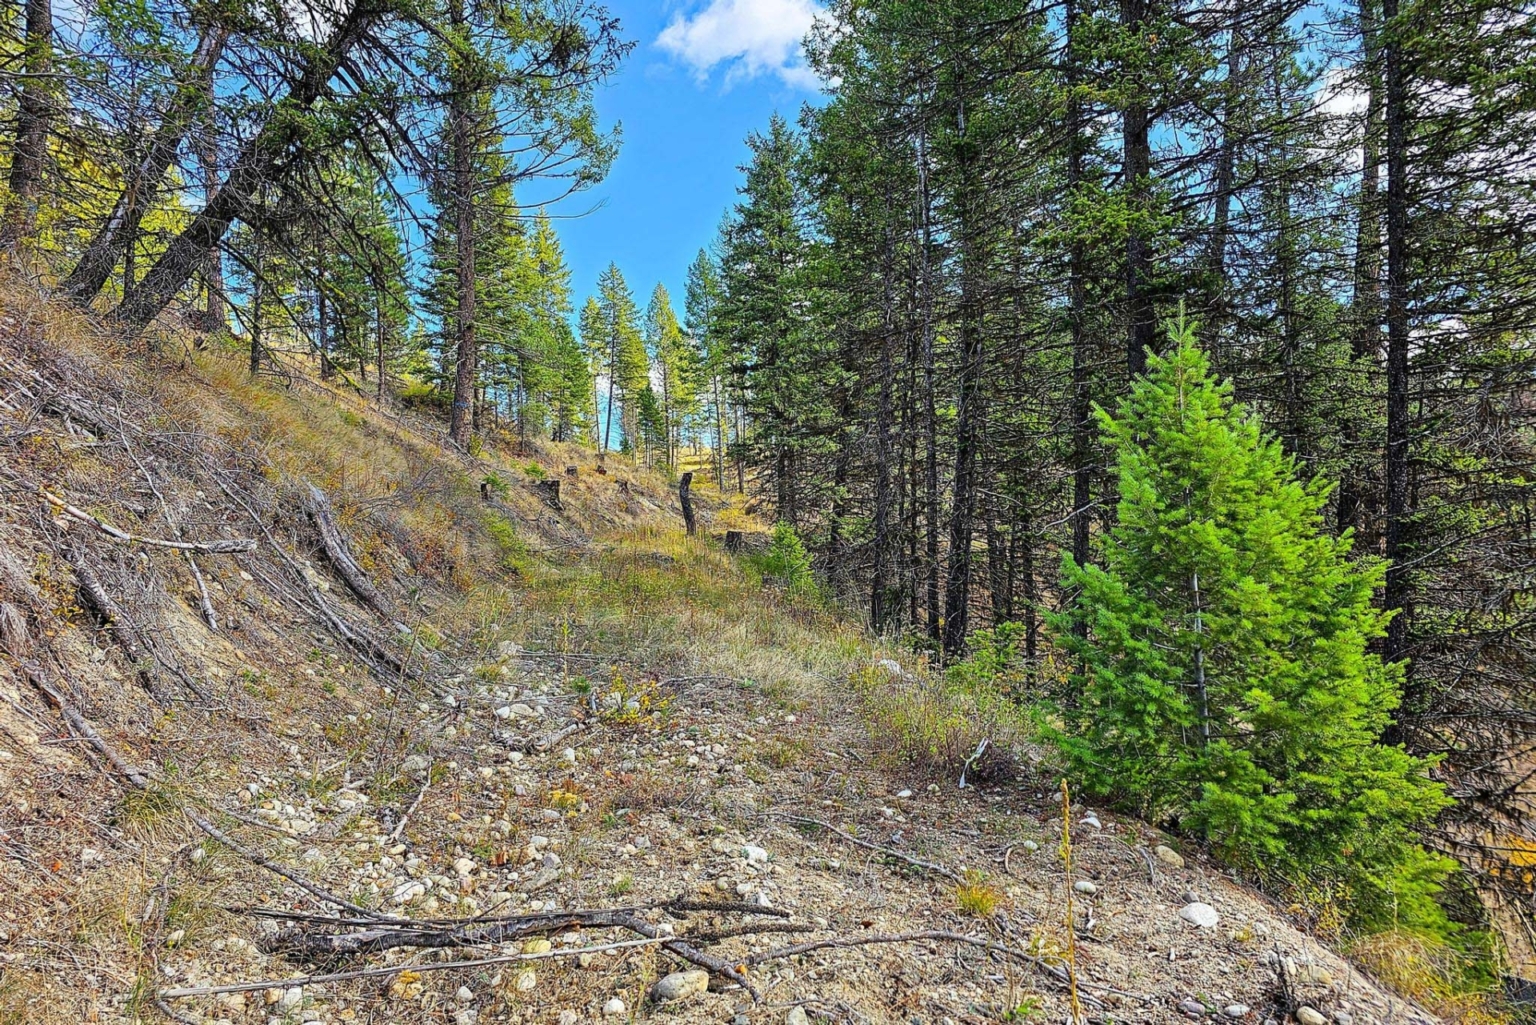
(1137, 168)
(461, 421)
(34, 120)
(1397, 593)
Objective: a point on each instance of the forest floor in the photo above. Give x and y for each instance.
(610, 747)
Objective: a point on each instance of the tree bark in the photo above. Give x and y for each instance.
(461, 422)
(685, 498)
(34, 121)
(1082, 415)
(1397, 593)
(121, 228)
(1355, 510)
(1137, 166)
(260, 161)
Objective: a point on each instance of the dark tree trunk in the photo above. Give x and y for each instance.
(930, 410)
(1397, 592)
(1221, 215)
(119, 233)
(1137, 166)
(34, 121)
(462, 419)
(259, 162)
(1082, 417)
(1356, 509)
(968, 412)
(686, 500)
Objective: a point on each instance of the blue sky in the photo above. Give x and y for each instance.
(702, 75)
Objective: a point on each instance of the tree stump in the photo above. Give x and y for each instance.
(571, 471)
(550, 489)
(686, 499)
(733, 542)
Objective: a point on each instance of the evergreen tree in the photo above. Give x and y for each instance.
(676, 369)
(1225, 682)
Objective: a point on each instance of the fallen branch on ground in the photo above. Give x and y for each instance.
(928, 866)
(374, 973)
(230, 546)
(318, 506)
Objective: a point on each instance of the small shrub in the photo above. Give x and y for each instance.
(786, 560)
(423, 394)
(535, 471)
(494, 484)
(976, 896)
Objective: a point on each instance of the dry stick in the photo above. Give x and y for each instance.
(340, 555)
(400, 826)
(930, 866)
(117, 621)
(230, 546)
(373, 973)
(209, 615)
(930, 935)
(369, 648)
(1066, 858)
(81, 726)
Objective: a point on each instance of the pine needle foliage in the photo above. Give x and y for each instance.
(1225, 682)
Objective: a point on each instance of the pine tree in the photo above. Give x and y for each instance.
(1225, 682)
(677, 370)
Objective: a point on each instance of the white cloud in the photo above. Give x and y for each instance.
(748, 37)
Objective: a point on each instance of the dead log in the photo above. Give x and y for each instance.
(340, 555)
(96, 598)
(229, 547)
(683, 487)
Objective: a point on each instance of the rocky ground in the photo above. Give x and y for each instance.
(543, 789)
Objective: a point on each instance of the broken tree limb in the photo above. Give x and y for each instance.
(82, 726)
(376, 973)
(929, 866)
(225, 547)
(340, 554)
(456, 934)
(1055, 972)
(94, 594)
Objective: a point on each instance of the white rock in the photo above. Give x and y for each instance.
(464, 866)
(526, 980)
(1235, 1010)
(680, 985)
(902, 795)
(755, 855)
(797, 1016)
(1200, 914)
(291, 998)
(465, 994)
(1310, 1016)
(1168, 856)
(615, 1006)
(1092, 820)
(1085, 886)
(504, 712)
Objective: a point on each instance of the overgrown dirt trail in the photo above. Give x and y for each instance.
(563, 764)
